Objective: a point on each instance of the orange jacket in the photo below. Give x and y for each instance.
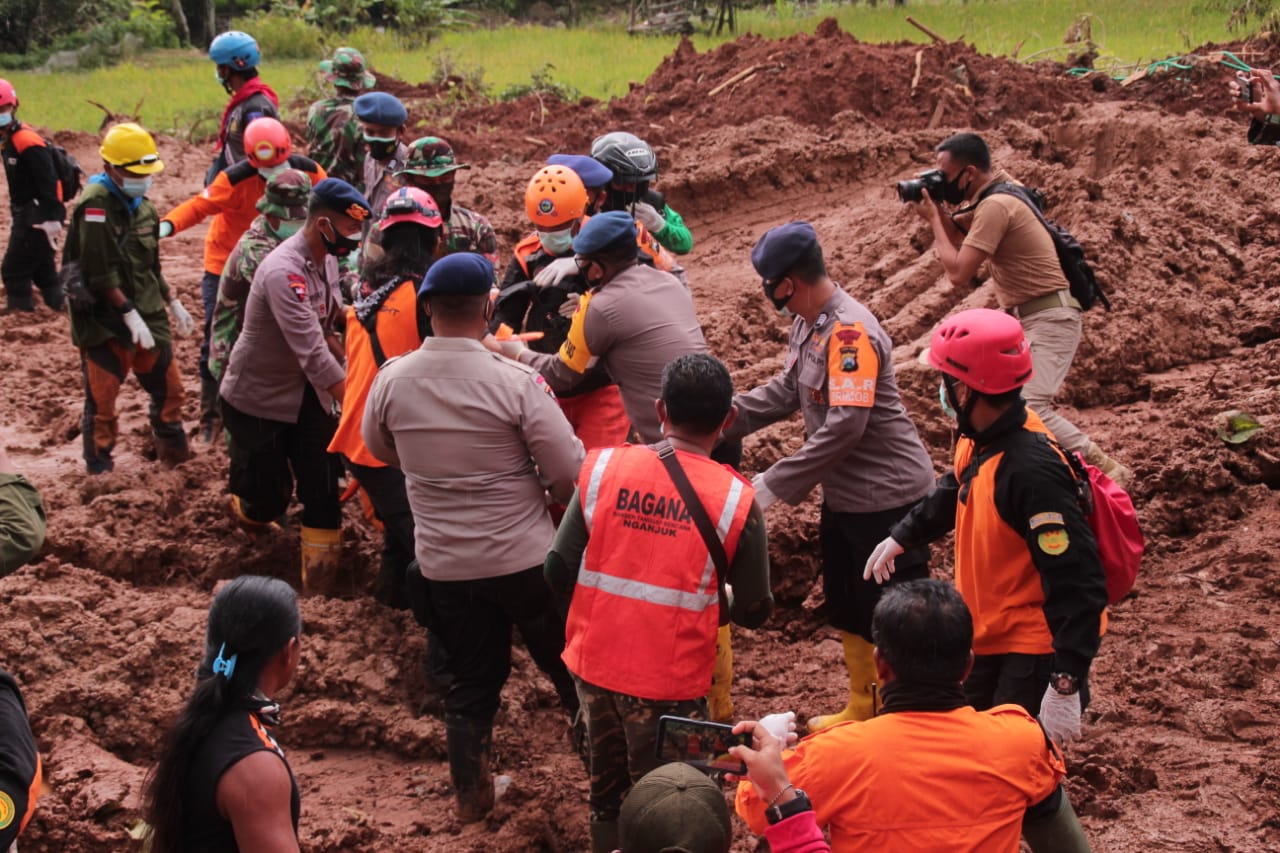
(232, 201)
(646, 608)
(943, 781)
(398, 333)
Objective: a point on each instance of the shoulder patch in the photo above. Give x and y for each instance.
(541, 382)
(7, 810)
(298, 284)
(852, 367)
(1053, 542)
(95, 214)
(1045, 519)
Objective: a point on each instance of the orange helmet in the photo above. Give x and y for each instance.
(266, 143)
(555, 196)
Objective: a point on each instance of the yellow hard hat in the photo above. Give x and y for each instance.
(131, 147)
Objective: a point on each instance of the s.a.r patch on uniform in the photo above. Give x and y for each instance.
(574, 351)
(852, 367)
(1053, 542)
(1045, 519)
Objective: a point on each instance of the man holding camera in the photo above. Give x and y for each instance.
(1005, 233)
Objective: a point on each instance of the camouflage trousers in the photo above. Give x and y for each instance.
(622, 736)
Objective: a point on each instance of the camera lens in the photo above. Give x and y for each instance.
(910, 190)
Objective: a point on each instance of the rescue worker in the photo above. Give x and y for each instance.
(333, 131)
(282, 212)
(120, 325)
(284, 380)
(382, 119)
(860, 444)
(481, 443)
(431, 167)
(22, 519)
(635, 168)
(634, 320)
(388, 322)
(236, 56)
(222, 783)
(21, 775)
(1026, 560)
(647, 595)
(35, 209)
(1003, 232)
(929, 772)
(555, 202)
(231, 199)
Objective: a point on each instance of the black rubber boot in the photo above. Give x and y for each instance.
(469, 743)
(54, 297)
(20, 303)
(208, 408)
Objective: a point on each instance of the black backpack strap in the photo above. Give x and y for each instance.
(706, 528)
(1084, 490)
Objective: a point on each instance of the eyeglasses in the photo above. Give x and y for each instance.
(144, 160)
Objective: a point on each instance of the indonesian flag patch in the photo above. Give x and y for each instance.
(95, 214)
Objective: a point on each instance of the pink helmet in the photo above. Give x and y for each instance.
(266, 142)
(410, 204)
(8, 96)
(983, 349)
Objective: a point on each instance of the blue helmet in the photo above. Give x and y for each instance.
(235, 50)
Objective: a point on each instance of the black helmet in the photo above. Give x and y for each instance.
(629, 156)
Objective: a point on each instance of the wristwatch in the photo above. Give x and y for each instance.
(1064, 683)
(788, 809)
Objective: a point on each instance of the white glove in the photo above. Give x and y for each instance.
(1060, 716)
(570, 305)
(556, 272)
(782, 726)
(764, 496)
(181, 317)
(880, 563)
(51, 230)
(648, 216)
(166, 228)
(138, 330)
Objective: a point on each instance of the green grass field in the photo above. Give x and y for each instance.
(178, 93)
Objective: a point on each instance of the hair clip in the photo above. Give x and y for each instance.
(224, 666)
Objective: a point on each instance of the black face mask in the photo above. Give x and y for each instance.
(341, 245)
(381, 149)
(951, 192)
(779, 302)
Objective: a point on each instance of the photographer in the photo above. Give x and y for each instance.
(1258, 94)
(1005, 233)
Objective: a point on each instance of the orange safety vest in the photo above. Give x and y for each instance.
(397, 325)
(994, 571)
(646, 608)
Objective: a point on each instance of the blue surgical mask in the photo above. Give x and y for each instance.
(136, 187)
(947, 408)
(6, 119)
(557, 243)
(287, 228)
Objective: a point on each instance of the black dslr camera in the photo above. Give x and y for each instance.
(931, 182)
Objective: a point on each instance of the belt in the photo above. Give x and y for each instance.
(1057, 299)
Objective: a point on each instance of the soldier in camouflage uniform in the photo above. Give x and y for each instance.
(333, 132)
(282, 211)
(430, 167)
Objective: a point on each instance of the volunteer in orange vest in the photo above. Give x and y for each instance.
(232, 200)
(386, 323)
(646, 606)
(20, 775)
(1026, 560)
(556, 201)
(928, 773)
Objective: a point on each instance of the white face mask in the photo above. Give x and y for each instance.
(944, 399)
(136, 187)
(6, 119)
(557, 243)
(270, 172)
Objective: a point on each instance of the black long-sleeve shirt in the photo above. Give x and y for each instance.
(33, 182)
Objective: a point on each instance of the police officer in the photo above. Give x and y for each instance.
(35, 204)
(635, 320)
(382, 119)
(279, 392)
(477, 438)
(236, 57)
(860, 444)
(333, 132)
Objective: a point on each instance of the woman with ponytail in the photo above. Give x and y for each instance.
(222, 784)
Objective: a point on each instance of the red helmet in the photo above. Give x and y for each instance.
(983, 349)
(266, 142)
(8, 97)
(410, 204)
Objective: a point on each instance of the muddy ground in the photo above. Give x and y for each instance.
(1180, 218)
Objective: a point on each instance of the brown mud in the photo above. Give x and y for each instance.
(1179, 217)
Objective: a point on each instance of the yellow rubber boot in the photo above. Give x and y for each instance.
(719, 702)
(863, 689)
(321, 560)
(255, 528)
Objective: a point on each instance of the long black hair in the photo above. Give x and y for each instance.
(407, 252)
(252, 618)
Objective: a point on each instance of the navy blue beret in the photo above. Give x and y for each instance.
(592, 172)
(605, 231)
(381, 108)
(341, 197)
(781, 248)
(462, 274)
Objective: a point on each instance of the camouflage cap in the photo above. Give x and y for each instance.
(286, 195)
(347, 68)
(431, 157)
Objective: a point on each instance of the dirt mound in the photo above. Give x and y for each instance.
(1154, 179)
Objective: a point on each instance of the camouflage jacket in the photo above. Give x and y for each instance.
(468, 231)
(233, 291)
(333, 139)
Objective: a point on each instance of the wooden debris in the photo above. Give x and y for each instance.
(533, 140)
(936, 119)
(937, 39)
(737, 78)
(915, 80)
